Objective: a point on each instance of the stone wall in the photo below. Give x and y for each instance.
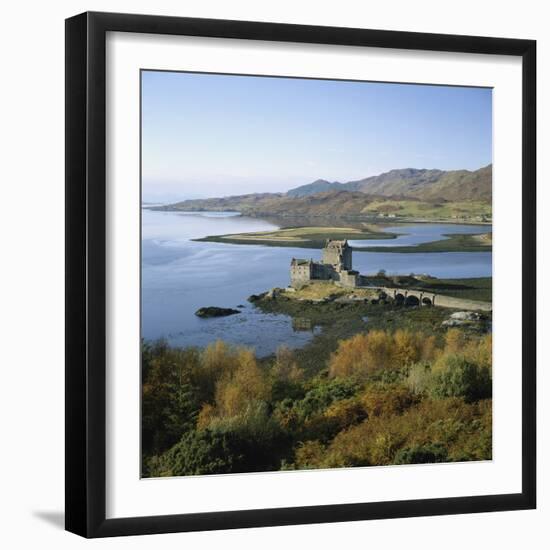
(300, 274)
(348, 278)
(439, 300)
(338, 255)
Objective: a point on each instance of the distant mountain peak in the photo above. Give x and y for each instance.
(318, 186)
(412, 182)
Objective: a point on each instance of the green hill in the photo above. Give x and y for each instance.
(412, 182)
(409, 194)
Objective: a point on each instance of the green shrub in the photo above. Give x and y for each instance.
(322, 395)
(421, 454)
(459, 377)
(170, 400)
(249, 442)
(419, 378)
(199, 453)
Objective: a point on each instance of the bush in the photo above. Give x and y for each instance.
(322, 395)
(383, 398)
(286, 377)
(461, 429)
(455, 341)
(347, 412)
(169, 397)
(318, 415)
(419, 378)
(310, 454)
(199, 453)
(362, 355)
(216, 361)
(243, 384)
(421, 454)
(387, 401)
(249, 442)
(407, 347)
(458, 377)
(366, 355)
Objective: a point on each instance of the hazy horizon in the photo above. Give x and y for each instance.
(219, 135)
(193, 195)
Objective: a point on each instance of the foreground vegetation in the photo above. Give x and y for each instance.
(341, 320)
(386, 396)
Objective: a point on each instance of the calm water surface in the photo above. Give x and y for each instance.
(180, 275)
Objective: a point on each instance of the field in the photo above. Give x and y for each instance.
(307, 237)
(315, 237)
(467, 211)
(453, 243)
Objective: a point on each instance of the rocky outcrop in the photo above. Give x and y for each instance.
(461, 318)
(212, 311)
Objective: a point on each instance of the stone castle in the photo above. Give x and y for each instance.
(335, 266)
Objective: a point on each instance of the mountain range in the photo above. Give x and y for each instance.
(409, 192)
(413, 182)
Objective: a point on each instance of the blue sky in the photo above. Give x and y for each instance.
(218, 135)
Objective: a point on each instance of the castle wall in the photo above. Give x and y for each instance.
(323, 272)
(338, 256)
(331, 256)
(347, 258)
(335, 266)
(349, 278)
(300, 274)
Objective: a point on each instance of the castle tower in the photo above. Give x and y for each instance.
(301, 272)
(338, 255)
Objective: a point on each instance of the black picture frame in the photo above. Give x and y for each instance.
(86, 268)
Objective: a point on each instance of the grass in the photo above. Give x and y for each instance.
(470, 289)
(315, 237)
(320, 290)
(453, 243)
(304, 237)
(476, 288)
(466, 211)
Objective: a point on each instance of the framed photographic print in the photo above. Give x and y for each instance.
(300, 274)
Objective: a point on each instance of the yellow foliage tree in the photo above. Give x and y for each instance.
(481, 352)
(407, 347)
(361, 355)
(285, 366)
(206, 415)
(428, 348)
(238, 389)
(218, 360)
(455, 341)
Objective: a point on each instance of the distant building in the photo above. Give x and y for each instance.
(335, 266)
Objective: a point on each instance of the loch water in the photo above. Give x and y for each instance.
(180, 275)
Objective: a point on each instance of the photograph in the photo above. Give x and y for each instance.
(316, 273)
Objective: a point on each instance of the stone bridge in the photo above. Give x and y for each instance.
(411, 296)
